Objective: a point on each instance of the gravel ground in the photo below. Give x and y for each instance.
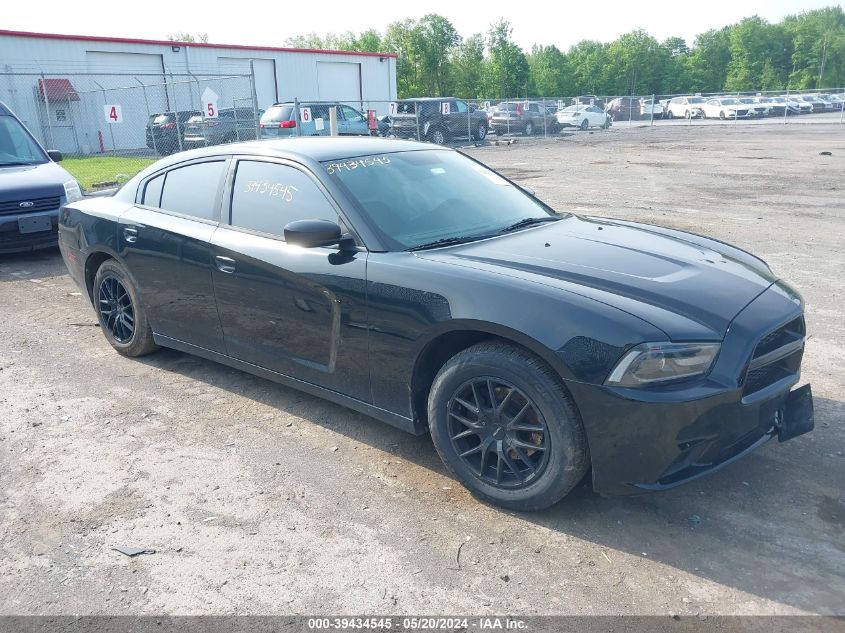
(260, 499)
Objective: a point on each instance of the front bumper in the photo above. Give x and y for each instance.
(14, 235)
(653, 439)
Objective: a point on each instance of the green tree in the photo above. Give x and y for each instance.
(587, 60)
(707, 62)
(436, 39)
(507, 70)
(754, 43)
(188, 37)
(548, 71)
(468, 68)
(818, 48)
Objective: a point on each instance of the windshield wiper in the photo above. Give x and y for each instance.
(527, 222)
(16, 164)
(446, 241)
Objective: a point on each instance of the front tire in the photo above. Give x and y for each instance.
(505, 426)
(584, 125)
(120, 313)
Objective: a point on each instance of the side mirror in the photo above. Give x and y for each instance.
(311, 233)
(55, 155)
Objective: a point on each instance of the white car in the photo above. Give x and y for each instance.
(650, 110)
(686, 107)
(726, 108)
(583, 116)
(759, 109)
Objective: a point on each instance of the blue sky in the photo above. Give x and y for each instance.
(559, 22)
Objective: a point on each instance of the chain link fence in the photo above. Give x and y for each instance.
(110, 126)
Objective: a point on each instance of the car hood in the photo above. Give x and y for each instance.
(687, 285)
(27, 182)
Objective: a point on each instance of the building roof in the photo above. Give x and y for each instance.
(57, 89)
(124, 40)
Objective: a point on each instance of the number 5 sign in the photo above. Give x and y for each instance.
(209, 103)
(114, 114)
(305, 115)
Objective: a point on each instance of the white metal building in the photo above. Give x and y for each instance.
(70, 77)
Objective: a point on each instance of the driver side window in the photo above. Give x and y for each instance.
(350, 114)
(461, 106)
(267, 196)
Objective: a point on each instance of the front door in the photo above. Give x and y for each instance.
(299, 312)
(164, 241)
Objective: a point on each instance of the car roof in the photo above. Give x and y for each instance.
(4, 110)
(427, 99)
(316, 148)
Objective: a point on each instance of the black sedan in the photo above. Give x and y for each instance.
(414, 284)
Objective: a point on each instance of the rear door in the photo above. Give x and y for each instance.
(164, 242)
(354, 123)
(299, 312)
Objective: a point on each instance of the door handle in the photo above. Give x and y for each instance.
(225, 264)
(130, 234)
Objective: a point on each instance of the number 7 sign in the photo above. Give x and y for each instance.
(114, 113)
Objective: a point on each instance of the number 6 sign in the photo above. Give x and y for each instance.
(305, 115)
(114, 114)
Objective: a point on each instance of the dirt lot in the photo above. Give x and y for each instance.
(259, 499)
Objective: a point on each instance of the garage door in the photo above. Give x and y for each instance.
(136, 103)
(339, 81)
(265, 81)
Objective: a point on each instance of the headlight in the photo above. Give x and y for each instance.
(72, 191)
(652, 363)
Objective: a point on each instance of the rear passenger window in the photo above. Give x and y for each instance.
(152, 191)
(192, 190)
(267, 196)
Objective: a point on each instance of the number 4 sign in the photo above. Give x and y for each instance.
(114, 114)
(305, 115)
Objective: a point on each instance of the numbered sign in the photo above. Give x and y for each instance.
(305, 115)
(444, 107)
(209, 103)
(372, 124)
(391, 108)
(486, 105)
(561, 104)
(319, 124)
(114, 113)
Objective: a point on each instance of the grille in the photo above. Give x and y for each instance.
(776, 356)
(38, 204)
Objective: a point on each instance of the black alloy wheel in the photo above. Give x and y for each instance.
(505, 425)
(498, 432)
(121, 314)
(116, 310)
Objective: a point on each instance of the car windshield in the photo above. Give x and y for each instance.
(730, 101)
(696, 99)
(277, 113)
(16, 145)
(415, 198)
(573, 109)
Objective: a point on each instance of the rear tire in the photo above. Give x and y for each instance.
(438, 136)
(519, 443)
(528, 130)
(480, 132)
(120, 312)
(669, 115)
